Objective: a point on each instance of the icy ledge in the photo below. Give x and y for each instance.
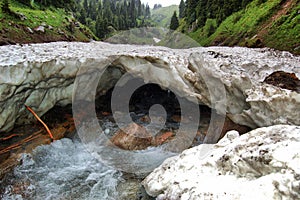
(42, 75)
(262, 164)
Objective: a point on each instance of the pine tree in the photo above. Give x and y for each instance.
(82, 17)
(85, 5)
(5, 7)
(191, 11)
(147, 14)
(110, 14)
(181, 9)
(174, 22)
(139, 8)
(25, 2)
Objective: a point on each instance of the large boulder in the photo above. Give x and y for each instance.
(262, 164)
(133, 137)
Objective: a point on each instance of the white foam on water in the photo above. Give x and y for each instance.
(63, 170)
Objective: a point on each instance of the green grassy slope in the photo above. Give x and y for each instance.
(21, 26)
(275, 23)
(162, 16)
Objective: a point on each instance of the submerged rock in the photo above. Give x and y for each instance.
(262, 164)
(133, 137)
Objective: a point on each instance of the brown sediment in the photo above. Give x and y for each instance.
(284, 80)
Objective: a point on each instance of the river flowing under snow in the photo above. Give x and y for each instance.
(65, 169)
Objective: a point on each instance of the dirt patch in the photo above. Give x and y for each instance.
(284, 80)
(20, 34)
(285, 7)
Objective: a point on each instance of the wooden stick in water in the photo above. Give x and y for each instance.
(39, 119)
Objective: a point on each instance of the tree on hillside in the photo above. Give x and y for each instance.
(157, 6)
(66, 4)
(181, 9)
(191, 10)
(147, 14)
(174, 22)
(25, 2)
(5, 7)
(85, 5)
(139, 8)
(104, 17)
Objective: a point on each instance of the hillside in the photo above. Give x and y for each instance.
(30, 24)
(274, 24)
(162, 16)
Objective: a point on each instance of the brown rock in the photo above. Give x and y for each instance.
(176, 118)
(104, 113)
(134, 137)
(230, 125)
(160, 139)
(284, 80)
(145, 119)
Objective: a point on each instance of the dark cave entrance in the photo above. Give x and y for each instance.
(143, 99)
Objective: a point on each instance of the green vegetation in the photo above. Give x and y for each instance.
(107, 17)
(174, 22)
(256, 23)
(22, 23)
(252, 23)
(284, 33)
(162, 16)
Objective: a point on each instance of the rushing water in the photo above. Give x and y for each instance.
(62, 170)
(65, 169)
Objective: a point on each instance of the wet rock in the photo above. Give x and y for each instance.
(265, 160)
(177, 119)
(133, 137)
(22, 16)
(40, 29)
(29, 30)
(133, 190)
(145, 119)
(162, 138)
(59, 31)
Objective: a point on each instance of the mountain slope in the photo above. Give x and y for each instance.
(27, 24)
(274, 24)
(162, 16)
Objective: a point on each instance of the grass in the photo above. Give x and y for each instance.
(285, 32)
(56, 21)
(241, 28)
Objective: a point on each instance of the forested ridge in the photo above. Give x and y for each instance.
(201, 10)
(106, 16)
(102, 17)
